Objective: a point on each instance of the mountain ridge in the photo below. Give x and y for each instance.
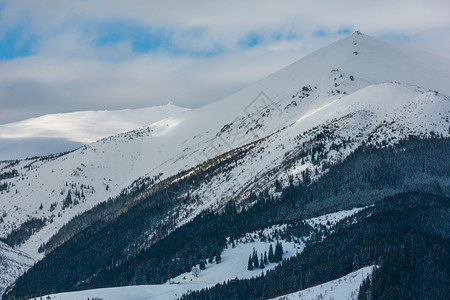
(306, 117)
(54, 133)
(166, 127)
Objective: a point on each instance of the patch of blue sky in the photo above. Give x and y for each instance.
(146, 39)
(251, 40)
(286, 36)
(14, 43)
(143, 39)
(395, 37)
(292, 36)
(319, 33)
(345, 30)
(254, 39)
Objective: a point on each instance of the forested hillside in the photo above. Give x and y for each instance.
(406, 235)
(367, 176)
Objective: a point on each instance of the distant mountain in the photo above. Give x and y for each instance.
(63, 132)
(347, 126)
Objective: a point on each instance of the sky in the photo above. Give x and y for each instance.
(63, 56)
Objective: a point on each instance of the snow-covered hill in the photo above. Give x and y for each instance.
(357, 90)
(63, 132)
(13, 263)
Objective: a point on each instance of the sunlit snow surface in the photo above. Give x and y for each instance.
(67, 131)
(330, 220)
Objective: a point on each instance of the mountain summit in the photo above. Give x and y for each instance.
(281, 134)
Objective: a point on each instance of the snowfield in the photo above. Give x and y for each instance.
(329, 220)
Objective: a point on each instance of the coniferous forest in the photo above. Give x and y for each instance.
(405, 235)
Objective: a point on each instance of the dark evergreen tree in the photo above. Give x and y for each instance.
(265, 258)
(271, 254)
(278, 255)
(250, 263)
(255, 259)
(261, 262)
(218, 257)
(232, 242)
(68, 200)
(306, 177)
(278, 186)
(202, 264)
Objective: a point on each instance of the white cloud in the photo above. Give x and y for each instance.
(69, 72)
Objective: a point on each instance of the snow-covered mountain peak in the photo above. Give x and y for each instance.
(340, 68)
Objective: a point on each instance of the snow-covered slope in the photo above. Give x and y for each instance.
(13, 263)
(233, 265)
(357, 90)
(344, 288)
(67, 131)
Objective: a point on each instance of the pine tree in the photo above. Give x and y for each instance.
(278, 256)
(68, 201)
(255, 259)
(250, 263)
(218, 257)
(278, 186)
(261, 262)
(232, 242)
(202, 264)
(265, 258)
(271, 254)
